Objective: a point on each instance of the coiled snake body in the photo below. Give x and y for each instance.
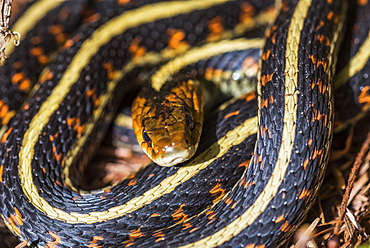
(223, 196)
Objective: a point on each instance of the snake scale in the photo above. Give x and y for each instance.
(246, 186)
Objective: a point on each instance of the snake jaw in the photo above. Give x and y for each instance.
(173, 155)
(172, 145)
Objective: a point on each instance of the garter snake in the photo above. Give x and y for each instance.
(265, 196)
(41, 35)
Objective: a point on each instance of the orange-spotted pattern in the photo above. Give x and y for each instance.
(74, 99)
(223, 196)
(24, 64)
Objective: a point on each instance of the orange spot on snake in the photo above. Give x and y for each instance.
(264, 130)
(186, 225)
(211, 214)
(68, 43)
(216, 28)
(75, 124)
(305, 163)
(323, 39)
(317, 115)
(136, 50)
(179, 215)
(250, 96)
(217, 192)
(280, 218)
(6, 135)
(90, 92)
(134, 234)
(123, 1)
(317, 62)
(232, 114)
(26, 106)
(362, 2)
(57, 31)
(266, 102)
(57, 156)
(304, 193)
(316, 153)
(110, 69)
(364, 97)
(176, 39)
(17, 77)
(247, 12)
(266, 55)
(321, 24)
(94, 241)
(250, 246)
(56, 241)
(243, 183)
(132, 182)
(39, 53)
(266, 78)
(270, 31)
(322, 88)
(330, 15)
(36, 51)
(13, 226)
(160, 235)
(93, 18)
(273, 38)
(46, 76)
(23, 82)
(286, 226)
(244, 164)
(1, 172)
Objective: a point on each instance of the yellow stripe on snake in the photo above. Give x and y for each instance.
(234, 191)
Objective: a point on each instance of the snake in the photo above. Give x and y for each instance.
(247, 185)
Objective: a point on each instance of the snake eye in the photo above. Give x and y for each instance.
(147, 139)
(189, 122)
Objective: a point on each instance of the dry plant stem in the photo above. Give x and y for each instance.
(22, 244)
(352, 177)
(346, 244)
(6, 6)
(6, 35)
(306, 235)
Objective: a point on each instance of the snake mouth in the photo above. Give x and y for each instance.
(172, 155)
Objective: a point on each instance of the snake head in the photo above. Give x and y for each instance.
(168, 123)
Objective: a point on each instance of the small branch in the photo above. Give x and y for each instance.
(352, 177)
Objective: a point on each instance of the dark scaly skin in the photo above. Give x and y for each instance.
(303, 175)
(6, 35)
(353, 92)
(177, 205)
(168, 122)
(23, 66)
(183, 208)
(73, 115)
(181, 204)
